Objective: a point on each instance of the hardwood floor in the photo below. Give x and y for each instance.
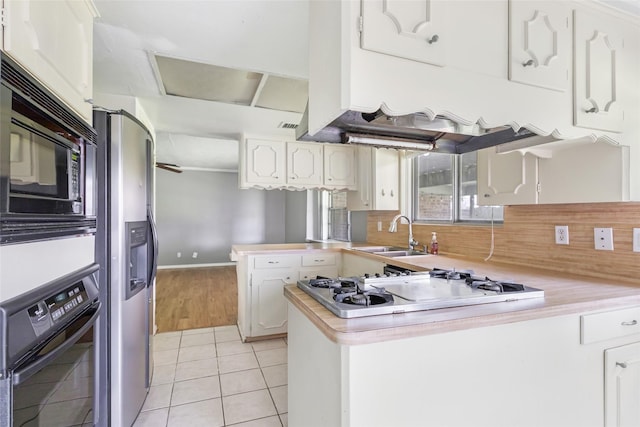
(191, 298)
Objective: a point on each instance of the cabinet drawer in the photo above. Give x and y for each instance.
(318, 259)
(312, 273)
(277, 261)
(609, 325)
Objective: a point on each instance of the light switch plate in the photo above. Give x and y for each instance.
(636, 240)
(603, 239)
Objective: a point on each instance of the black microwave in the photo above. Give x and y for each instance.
(47, 162)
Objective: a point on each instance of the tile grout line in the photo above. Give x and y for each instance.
(215, 343)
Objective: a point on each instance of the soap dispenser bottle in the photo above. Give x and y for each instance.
(434, 243)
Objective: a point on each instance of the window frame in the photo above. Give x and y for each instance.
(413, 167)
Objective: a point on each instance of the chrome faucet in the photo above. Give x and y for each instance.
(394, 228)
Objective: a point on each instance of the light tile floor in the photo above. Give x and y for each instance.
(209, 377)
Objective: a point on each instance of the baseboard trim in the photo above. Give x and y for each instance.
(215, 264)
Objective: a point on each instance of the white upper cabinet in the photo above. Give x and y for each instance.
(304, 163)
(539, 43)
(507, 178)
(408, 29)
(339, 166)
(272, 164)
(265, 162)
(378, 180)
(54, 41)
(598, 54)
(584, 172)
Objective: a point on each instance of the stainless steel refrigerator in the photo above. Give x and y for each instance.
(126, 251)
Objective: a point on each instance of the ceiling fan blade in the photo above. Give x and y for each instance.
(168, 166)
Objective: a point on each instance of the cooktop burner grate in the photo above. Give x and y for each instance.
(494, 285)
(450, 274)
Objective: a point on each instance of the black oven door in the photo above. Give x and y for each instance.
(55, 385)
(47, 357)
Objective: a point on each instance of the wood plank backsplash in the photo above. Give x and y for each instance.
(527, 237)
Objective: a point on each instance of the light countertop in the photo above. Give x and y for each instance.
(564, 294)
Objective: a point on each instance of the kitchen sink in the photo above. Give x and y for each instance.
(394, 253)
(389, 251)
(373, 249)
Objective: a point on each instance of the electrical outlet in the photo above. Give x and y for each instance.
(603, 239)
(562, 234)
(636, 240)
(379, 225)
(179, 254)
(195, 255)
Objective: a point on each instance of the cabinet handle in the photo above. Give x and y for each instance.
(274, 262)
(391, 193)
(632, 323)
(293, 177)
(486, 195)
(528, 63)
(623, 365)
(433, 39)
(591, 110)
(383, 191)
(318, 260)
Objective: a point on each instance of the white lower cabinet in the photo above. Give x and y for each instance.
(622, 386)
(262, 308)
(616, 335)
(268, 306)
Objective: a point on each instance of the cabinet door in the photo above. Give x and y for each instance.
(539, 43)
(339, 166)
(265, 162)
(407, 29)
(598, 49)
(622, 386)
(304, 163)
(591, 173)
(361, 199)
(387, 177)
(507, 178)
(54, 41)
(268, 304)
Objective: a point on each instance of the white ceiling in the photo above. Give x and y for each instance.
(267, 36)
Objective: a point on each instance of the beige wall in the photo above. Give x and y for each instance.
(527, 237)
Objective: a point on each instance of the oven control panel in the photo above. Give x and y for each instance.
(54, 309)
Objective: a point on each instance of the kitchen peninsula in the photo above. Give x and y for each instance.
(556, 361)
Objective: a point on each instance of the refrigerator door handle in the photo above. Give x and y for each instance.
(153, 263)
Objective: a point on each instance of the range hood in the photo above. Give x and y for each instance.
(416, 132)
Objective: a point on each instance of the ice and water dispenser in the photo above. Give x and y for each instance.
(137, 257)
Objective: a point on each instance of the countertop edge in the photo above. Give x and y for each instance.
(341, 332)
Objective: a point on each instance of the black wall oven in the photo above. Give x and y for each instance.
(47, 354)
(47, 162)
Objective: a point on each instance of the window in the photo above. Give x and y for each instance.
(445, 189)
(339, 224)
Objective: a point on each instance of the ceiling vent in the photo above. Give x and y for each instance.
(284, 125)
(208, 82)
